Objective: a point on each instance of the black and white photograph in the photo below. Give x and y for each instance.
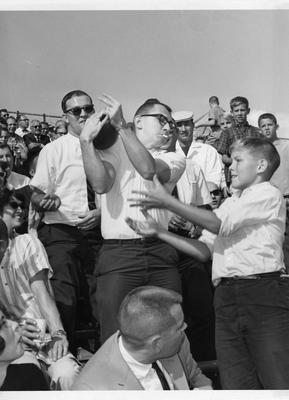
(144, 199)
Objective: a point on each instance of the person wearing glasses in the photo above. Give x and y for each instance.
(4, 113)
(23, 125)
(27, 296)
(126, 261)
(70, 228)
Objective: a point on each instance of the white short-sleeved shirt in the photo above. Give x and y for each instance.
(17, 181)
(60, 170)
(192, 186)
(207, 158)
(114, 204)
(251, 233)
(280, 178)
(23, 259)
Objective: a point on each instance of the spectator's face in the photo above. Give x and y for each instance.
(244, 168)
(240, 113)
(19, 213)
(35, 127)
(216, 195)
(23, 122)
(185, 131)
(44, 129)
(156, 127)
(76, 122)
(172, 339)
(9, 331)
(225, 124)
(4, 136)
(11, 125)
(6, 156)
(268, 128)
(4, 114)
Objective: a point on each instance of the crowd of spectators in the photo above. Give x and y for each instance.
(162, 235)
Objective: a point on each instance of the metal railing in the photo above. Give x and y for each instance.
(44, 116)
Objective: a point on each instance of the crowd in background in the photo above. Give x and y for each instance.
(77, 252)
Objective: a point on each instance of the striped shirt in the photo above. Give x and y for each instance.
(23, 259)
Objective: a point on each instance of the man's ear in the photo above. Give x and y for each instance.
(138, 122)
(262, 165)
(248, 110)
(155, 342)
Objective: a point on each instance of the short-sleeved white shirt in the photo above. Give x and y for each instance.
(251, 233)
(115, 206)
(60, 170)
(23, 259)
(207, 158)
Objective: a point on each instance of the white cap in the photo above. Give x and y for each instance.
(182, 115)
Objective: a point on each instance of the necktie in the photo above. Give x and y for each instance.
(90, 196)
(161, 376)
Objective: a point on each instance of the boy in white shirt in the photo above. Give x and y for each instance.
(245, 236)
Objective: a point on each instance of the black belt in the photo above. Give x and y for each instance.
(267, 275)
(286, 196)
(147, 240)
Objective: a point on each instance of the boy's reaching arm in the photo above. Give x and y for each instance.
(158, 197)
(150, 227)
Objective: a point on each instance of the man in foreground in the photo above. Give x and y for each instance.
(149, 352)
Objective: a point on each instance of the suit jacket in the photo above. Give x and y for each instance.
(107, 370)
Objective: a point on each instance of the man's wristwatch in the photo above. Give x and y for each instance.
(60, 332)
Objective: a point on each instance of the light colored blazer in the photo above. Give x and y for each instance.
(107, 370)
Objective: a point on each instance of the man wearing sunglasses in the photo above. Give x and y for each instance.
(70, 230)
(126, 261)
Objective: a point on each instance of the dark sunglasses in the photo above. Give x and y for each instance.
(162, 119)
(35, 126)
(215, 192)
(14, 204)
(76, 111)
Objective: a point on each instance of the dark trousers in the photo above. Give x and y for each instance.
(198, 306)
(72, 257)
(125, 265)
(252, 333)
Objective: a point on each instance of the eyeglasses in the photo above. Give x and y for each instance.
(14, 204)
(215, 192)
(162, 120)
(35, 126)
(76, 111)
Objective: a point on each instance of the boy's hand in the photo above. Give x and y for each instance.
(147, 228)
(154, 198)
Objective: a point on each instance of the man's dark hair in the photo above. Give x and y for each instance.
(6, 146)
(73, 93)
(146, 311)
(236, 101)
(148, 105)
(3, 122)
(214, 99)
(5, 196)
(262, 148)
(267, 116)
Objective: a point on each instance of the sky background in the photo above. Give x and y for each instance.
(180, 57)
